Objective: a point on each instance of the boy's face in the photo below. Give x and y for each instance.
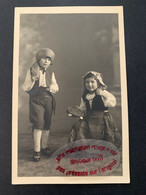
(45, 62)
(91, 84)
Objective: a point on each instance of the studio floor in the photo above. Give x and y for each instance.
(28, 168)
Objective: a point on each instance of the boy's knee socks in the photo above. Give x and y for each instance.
(45, 137)
(37, 139)
(40, 135)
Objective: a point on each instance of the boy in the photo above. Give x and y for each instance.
(40, 83)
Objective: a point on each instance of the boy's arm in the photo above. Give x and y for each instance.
(28, 83)
(54, 86)
(108, 99)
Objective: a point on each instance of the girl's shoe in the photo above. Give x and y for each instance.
(36, 156)
(46, 151)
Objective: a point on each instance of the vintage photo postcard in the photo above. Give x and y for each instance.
(70, 112)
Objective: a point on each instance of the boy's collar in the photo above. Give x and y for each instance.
(42, 69)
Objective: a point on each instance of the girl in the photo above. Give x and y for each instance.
(40, 83)
(97, 122)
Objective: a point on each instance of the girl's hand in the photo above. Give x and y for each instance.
(99, 92)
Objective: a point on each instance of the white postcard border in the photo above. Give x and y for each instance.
(125, 178)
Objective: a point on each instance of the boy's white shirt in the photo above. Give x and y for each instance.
(108, 99)
(28, 84)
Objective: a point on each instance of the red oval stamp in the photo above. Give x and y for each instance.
(85, 158)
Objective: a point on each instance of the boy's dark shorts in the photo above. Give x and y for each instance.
(40, 111)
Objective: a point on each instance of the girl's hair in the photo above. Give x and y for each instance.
(97, 77)
(90, 75)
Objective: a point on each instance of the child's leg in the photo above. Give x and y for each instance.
(47, 120)
(48, 112)
(37, 140)
(45, 138)
(37, 118)
(37, 144)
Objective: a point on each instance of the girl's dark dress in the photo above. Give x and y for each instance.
(96, 124)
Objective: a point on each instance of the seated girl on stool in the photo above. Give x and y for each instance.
(97, 122)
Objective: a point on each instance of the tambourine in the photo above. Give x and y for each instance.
(75, 112)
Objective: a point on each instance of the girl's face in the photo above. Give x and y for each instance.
(91, 84)
(45, 62)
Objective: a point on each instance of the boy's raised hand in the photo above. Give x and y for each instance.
(34, 78)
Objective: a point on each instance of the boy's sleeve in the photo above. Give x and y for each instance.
(108, 99)
(82, 105)
(28, 83)
(54, 86)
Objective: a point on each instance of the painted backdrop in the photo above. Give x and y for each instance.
(81, 42)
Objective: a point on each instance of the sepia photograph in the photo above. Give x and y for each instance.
(70, 112)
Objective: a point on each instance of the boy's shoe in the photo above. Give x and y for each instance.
(36, 156)
(46, 151)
